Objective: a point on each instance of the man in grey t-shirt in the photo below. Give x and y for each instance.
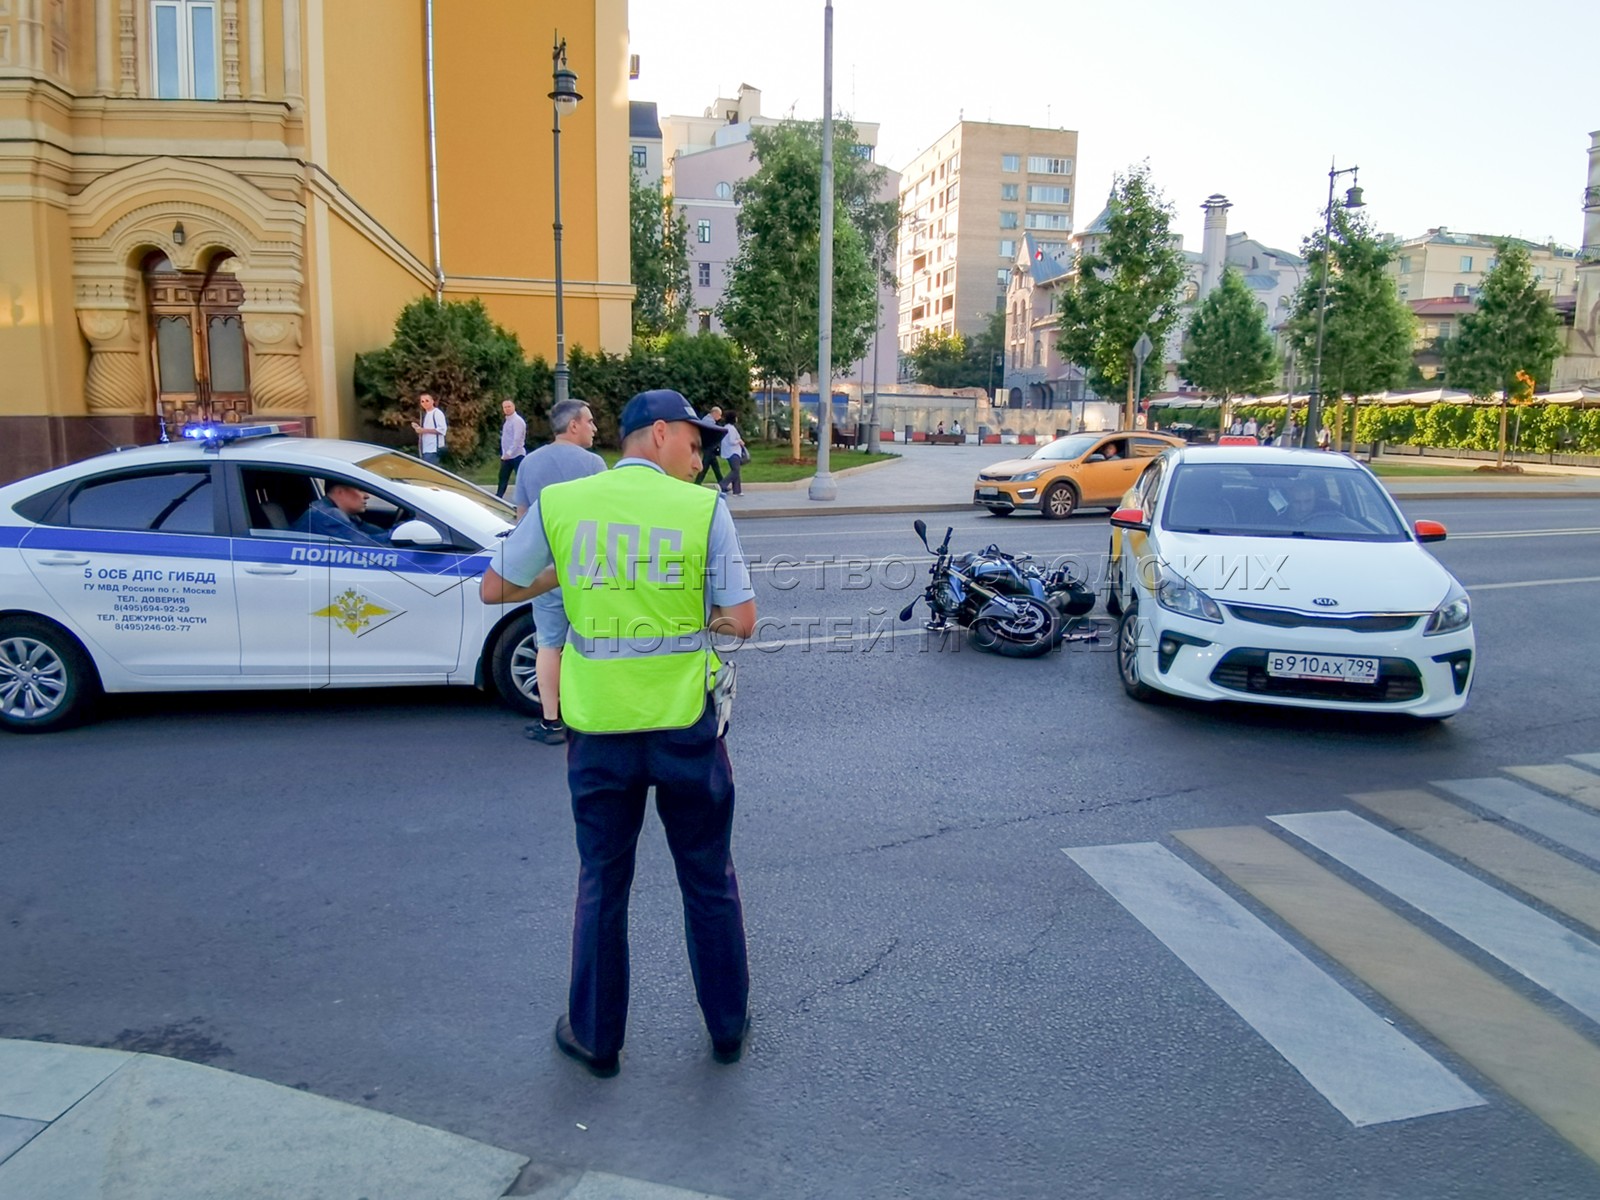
(566, 458)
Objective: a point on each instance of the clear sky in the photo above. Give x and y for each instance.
(1471, 114)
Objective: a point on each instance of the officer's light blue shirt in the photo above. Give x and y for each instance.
(525, 552)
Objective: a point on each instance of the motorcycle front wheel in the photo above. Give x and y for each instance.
(1033, 631)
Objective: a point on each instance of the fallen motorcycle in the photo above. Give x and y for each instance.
(1006, 604)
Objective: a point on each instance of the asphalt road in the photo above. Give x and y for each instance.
(369, 895)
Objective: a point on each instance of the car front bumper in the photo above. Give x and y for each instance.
(1007, 495)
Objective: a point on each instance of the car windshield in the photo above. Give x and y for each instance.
(1282, 500)
(1068, 447)
(403, 469)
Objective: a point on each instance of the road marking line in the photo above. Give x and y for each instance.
(1490, 846)
(1362, 1065)
(1538, 1060)
(1588, 760)
(1522, 533)
(1549, 818)
(1571, 782)
(1527, 941)
(1527, 583)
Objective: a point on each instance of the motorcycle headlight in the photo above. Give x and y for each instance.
(1176, 594)
(1025, 476)
(1455, 613)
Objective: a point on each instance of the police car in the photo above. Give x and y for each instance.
(211, 563)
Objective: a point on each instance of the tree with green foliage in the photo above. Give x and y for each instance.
(1368, 331)
(953, 360)
(1124, 286)
(1228, 350)
(453, 351)
(1514, 332)
(770, 306)
(659, 258)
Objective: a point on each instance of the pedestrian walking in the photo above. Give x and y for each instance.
(640, 549)
(734, 455)
(430, 432)
(513, 445)
(712, 461)
(1324, 438)
(565, 458)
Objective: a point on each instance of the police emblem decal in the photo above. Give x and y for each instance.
(353, 611)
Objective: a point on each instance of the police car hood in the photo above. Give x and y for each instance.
(1309, 575)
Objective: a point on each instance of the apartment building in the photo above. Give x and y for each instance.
(1442, 263)
(966, 203)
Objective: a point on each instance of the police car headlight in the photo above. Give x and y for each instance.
(1454, 614)
(1176, 594)
(1026, 475)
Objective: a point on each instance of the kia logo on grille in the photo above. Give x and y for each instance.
(1326, 602)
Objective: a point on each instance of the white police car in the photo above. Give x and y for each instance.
(211, 563)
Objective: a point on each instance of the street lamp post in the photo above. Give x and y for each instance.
(1308, 435)
(563, 100)
(822, 484)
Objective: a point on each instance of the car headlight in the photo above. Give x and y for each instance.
(1025, 476)
(1176, 594)
(1455, 613)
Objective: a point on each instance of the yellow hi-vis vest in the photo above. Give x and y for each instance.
(630, 549)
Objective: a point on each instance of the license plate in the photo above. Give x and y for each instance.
(988, 491)
(1340, 668)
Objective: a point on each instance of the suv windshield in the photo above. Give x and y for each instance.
(401, 468)
(1068, 447)
(1281, 500)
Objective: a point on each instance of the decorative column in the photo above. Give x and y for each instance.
(258, 51)
(105, 51)
(127, 50)
(230, 50)
(108, 315)
(292, 85)
(272, 328)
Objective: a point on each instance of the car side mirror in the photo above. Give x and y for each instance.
(1095, 458)
(1429, 531)
(1130, 518)
(416, 533)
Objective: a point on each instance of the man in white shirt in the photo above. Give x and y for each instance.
(513, 445)
(430, 433)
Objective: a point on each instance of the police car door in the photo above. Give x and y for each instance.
(395, 611)
(136, 563)
(281, 577)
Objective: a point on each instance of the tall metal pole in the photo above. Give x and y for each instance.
(1308, 435)
(822, 484)
(558, 58)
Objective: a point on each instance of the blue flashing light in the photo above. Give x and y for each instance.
(216, 436)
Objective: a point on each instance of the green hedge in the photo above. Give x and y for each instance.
(1531, 428)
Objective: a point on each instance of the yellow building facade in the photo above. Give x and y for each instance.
(210, 207)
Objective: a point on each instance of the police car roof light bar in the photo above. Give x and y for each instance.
(216, 436)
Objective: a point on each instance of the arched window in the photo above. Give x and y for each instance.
(724, 191)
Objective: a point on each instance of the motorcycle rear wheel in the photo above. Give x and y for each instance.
(1034, 631)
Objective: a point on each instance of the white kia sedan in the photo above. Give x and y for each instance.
(1283, 577)
(238, 557)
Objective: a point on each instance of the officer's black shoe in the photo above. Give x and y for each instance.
(551, 733)
(731, 1050)
(567, 1042)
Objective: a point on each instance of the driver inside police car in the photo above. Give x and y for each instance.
(340, 514)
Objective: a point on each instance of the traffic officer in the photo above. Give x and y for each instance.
(649, 567)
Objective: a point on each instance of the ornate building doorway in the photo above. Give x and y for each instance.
(197, 344)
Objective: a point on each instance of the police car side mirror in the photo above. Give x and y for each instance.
(415, 533)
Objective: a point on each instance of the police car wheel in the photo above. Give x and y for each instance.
(46, 680)
(511, 666)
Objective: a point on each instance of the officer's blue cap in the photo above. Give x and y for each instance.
(664, 404)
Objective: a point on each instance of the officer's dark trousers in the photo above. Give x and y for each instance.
(609, 775)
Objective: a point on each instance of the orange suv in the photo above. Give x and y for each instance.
(1082, 470)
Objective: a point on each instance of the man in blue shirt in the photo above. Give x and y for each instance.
(338, 515)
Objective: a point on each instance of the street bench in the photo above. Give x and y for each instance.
(947, 439)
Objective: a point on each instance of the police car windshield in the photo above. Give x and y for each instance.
(402, 469)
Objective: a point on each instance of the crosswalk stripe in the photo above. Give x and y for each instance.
(1587, 760)
(1572, 782)
(1527, 941)
(1550, 818)
(1362, 1065)
(1537, 1059)
(1490, 846)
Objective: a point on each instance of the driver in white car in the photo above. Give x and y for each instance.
(339, 514)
